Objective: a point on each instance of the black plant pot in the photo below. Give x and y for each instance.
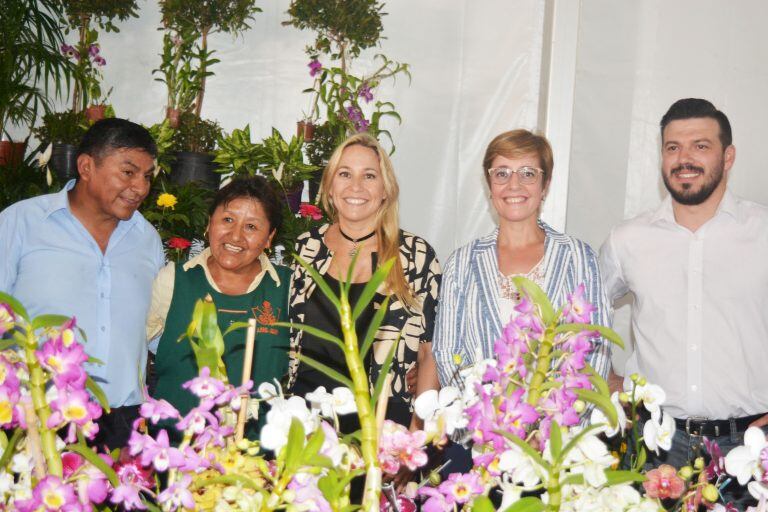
(64, 161)
(197, 167)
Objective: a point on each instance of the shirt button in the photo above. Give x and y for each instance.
(103, 329)
(694, 387)
(102, 295)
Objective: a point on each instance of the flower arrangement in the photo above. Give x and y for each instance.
(536, 444)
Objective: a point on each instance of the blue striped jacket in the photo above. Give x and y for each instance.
(468, 318)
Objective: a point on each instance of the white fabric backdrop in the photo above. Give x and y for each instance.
(476, 71)
(634, 60)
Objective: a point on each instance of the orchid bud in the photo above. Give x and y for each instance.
(641, 381)
(243, 445)
(579, 406)
(698, 463)
(434, 478)
(634, 377)
(709, 493)
(686, 472)
(623, 397)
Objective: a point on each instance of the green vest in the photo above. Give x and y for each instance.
(175, 362)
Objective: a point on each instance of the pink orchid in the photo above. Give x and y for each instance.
(436, 501)
(72, 406)
(204, 386)
(64, 362)
(307, 496)
(159, 453)
(128, 496)
(398, 447)
(663, 483)
(53, 494)
(577, 308)
(198, 418)
(365, 93)
(461, 488)
(156, 410)
(314, 67)
(177, 495)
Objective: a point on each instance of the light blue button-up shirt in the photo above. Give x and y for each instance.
(52, 264)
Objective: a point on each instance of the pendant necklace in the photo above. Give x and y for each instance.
(356, 241)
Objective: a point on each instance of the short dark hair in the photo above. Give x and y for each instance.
(253, 187)
(691, 108)
(114, 133)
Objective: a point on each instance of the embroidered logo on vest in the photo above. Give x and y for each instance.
(265, 317)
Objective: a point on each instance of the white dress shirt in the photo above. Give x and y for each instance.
(700, 316)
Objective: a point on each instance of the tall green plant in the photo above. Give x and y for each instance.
(31, 65)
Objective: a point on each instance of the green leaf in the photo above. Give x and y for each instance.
(235, 325)
(373, 327)
(574, 441)
(15, 305)
(527, 449)
(538, 296)
(369, 291)
(313, 445)
(383, 372)
(10, 448)
(605, 332)
(295, 446)
(640, 463)
(98, 393)
(319, 281)
(48, 321)
(555, 440)
(6, 344)
(92, 457)
(314, 331)
(601, 401)
(95, 360)
(527, 504)
(616, 477)
(482, 504)
(330, 372)
(597, 381)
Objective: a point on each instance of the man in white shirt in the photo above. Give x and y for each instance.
(697, 267)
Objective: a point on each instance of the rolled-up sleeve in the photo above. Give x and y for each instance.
(445, 340)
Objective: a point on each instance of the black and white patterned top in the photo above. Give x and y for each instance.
(422, 272)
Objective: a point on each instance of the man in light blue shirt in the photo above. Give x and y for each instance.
(86, 252)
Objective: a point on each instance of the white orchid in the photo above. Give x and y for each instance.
(743, 462)
(520, 468)
(510, 493)
(44, 157)
(274, 434)
(652, 396)
(591, 457)
(659, 435)
(267, 391)
(339, 402)
(599, 417)
(442, 412)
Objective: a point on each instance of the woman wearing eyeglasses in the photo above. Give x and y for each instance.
(478, 296)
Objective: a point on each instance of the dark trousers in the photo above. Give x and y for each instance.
(115, 428)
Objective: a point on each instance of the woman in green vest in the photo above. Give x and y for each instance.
(243, 283)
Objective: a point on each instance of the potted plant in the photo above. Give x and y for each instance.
(63, 130)
(179, 72)
(86, 52)
(30, 67)
(194, 143)
(196, 20)
(278, 160)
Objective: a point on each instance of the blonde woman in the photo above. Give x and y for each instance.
(360, 193)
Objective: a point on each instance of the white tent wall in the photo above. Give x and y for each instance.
(634, 60)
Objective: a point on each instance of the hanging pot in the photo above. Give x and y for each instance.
(293, 197)
(95, 112)
(305, 129)
(197, 167)
(173, 115)
(64, 161)
(12, 153)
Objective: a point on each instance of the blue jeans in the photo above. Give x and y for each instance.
(686, 448)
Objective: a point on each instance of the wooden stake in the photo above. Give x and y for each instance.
(381, 405)
(242, 416)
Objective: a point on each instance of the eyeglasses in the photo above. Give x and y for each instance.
(526, 175)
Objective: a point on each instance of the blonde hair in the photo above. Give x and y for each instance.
(387, 218)
(517, 144)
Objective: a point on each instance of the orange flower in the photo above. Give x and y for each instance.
(663, 483)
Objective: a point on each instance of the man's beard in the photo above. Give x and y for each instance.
(690, 197)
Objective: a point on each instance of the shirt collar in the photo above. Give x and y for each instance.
(728, 205)
(266, 267)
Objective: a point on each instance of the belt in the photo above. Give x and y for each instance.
(695, 426)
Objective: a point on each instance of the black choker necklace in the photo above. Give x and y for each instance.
(356, 241)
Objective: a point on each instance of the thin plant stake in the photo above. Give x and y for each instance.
(242, 415)
(381, 406)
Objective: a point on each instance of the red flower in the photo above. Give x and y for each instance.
(663, 483)
(178, 243)
(310, 210)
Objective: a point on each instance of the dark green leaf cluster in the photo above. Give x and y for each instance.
(62, 127)
(349, 25)
(103, 12)
(188, 218)
(31, 65)
(208, 16)
(21, 182)
(326, 137)
(196, 134)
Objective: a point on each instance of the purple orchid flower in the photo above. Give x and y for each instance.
(365, 93)
(577, 308)
(314, 67)
(160, 454)
(178, 495)
(93, 50)
(156, 410)
(204, 386)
